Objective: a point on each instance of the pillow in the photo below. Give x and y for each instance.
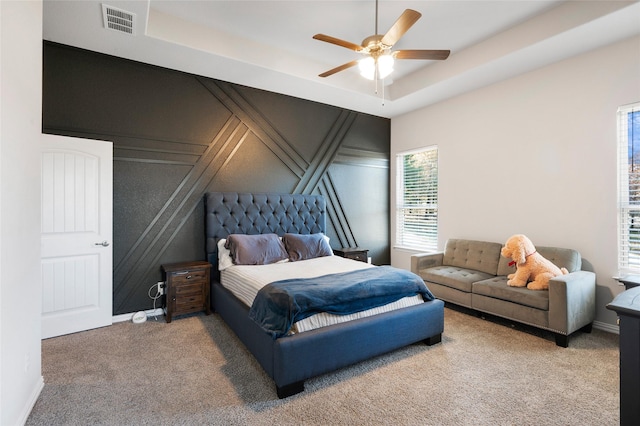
(302, 247)
(224, 256)
(261, 249)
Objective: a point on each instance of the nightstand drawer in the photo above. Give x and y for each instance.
(186, 277)
(190, 289)
(189, 305)
(355, 253)
(361, 256)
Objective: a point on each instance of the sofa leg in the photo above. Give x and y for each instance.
(587, 328)
(562, 340)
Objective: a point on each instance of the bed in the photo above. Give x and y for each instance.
(291, 358)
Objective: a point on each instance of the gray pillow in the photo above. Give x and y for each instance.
(302, 247)
(260, 249)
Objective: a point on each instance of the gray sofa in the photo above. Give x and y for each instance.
(473, 274)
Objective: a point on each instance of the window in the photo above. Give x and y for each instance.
(417, 199)
(629, 189)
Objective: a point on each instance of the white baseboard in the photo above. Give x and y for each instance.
(32, 401)
(611, 328)
(127, 317)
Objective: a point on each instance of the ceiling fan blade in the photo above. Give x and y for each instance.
(338, 69)
(401, 26)
(439, 55)
(337, 41)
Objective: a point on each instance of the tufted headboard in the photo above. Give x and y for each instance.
(245, 213)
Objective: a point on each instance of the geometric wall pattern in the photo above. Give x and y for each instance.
(178, 135)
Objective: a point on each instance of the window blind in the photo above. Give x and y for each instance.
(417, 199)
(629, 189)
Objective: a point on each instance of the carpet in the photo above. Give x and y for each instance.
(194, 371)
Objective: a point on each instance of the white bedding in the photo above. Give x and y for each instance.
(245, 282)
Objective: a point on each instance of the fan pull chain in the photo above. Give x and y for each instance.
(376, 80)
(383, 92)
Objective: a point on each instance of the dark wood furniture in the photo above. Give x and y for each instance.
(627, 306)
(187, 288)
(629, 281)
(355, 253)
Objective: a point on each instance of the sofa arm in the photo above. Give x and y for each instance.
(425, 260)
(572, 301)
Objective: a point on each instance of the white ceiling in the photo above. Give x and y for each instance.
(269, 45)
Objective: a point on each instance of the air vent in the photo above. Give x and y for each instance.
(118, 20)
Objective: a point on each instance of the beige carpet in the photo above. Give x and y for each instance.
(195, 372)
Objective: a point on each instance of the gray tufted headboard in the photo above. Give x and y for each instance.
(245, 213)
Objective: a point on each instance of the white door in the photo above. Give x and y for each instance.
(76, 231)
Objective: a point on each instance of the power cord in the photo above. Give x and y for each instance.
(155, 297)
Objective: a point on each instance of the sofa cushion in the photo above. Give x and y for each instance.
(562, 257)
(480, 256)
(454, 277)
(497, 288)
(504, 268)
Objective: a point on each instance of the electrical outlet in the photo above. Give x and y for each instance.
(160, 285)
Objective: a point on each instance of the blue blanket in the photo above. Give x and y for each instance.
(280, 304)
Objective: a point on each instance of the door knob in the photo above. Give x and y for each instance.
(105, 243)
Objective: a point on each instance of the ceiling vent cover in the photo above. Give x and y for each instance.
(118, 20)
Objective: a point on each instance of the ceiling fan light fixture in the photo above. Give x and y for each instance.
(367, 67)
(385, 65)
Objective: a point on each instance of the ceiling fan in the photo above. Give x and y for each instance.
(379, 59)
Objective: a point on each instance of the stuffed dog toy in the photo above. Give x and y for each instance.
(530, 265)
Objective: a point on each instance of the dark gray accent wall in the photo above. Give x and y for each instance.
(177, 136)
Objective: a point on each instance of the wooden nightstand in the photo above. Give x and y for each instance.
(186, 288)
(355, 253)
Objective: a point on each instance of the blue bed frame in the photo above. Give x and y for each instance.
(290, 360)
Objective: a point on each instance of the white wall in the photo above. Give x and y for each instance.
(536, 155)
(20, 133)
